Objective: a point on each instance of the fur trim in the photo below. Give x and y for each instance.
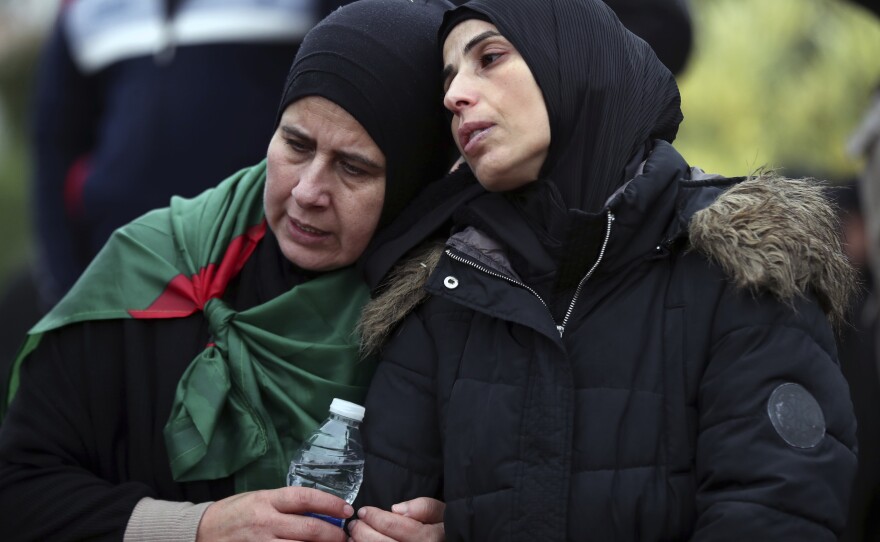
(401, 293)
(780, 236)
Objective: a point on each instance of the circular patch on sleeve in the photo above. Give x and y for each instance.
(796, 416)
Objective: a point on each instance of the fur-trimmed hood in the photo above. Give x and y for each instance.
(770, 235)
(778, 235)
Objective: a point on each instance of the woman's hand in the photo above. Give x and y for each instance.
(274, 515)
(418, 520)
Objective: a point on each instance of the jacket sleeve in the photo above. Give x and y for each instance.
(169, 521)
(775, 454)
(49, 456)
(401, 430)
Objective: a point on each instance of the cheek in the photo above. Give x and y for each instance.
(539, 133)
(275, 152)
(540, 141)
(363, 218)
(277, 190)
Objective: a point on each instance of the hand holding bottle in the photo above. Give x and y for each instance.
(274, 514)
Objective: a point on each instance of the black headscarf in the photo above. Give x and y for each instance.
(606, 92)
(385, 75)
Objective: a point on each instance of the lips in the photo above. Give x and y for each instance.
(303, 232)
(471, 133)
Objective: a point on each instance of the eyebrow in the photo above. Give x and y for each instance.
(346, 155)
(447, 70)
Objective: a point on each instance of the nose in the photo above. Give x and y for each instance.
(313, 186)
(460, 94)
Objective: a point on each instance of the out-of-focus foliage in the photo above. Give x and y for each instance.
(781, 83)
(22, 26)
(16, 75)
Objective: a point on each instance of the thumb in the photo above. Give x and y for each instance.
(423, 509)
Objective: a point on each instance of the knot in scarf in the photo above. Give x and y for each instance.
(265, 382)
(219, 315)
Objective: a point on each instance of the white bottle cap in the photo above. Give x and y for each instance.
(347, 409)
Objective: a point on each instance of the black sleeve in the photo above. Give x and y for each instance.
(401, 430)
(61, 478)
(776, 439)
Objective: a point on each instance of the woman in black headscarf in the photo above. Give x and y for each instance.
(614, 345)
(163, 398)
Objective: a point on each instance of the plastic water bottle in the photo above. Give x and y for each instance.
(331, 458)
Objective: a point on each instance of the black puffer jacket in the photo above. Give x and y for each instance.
(694, 394)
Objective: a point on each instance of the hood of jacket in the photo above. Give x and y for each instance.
(770, 234)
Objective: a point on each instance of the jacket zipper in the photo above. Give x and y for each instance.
(488, 271)
(580, 287)
(559, 327)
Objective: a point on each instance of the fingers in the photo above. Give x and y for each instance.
(362, 530)
(301, 500)
(376, 525)
(423, 509)
(292, 502)
(304, 528)
(256, 516)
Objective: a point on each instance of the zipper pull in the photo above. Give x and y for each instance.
(561, 330)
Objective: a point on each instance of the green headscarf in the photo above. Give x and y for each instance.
(270, 372)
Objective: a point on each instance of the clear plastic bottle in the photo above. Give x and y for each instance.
(331, 458)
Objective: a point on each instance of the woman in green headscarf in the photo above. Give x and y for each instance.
(208, 338)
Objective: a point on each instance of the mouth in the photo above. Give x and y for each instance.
(471, 133)
(304, 229)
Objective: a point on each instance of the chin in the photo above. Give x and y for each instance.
(316, 264)
(488, 178)
(496, 181)
(306, 262)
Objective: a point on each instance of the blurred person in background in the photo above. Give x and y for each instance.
(139, 100)
(860, 209)
(857, 350)
(865, 143)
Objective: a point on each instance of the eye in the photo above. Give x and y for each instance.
(296, 145)
(351, 170)
(488, 59)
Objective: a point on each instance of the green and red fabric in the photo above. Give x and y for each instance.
(268, 375)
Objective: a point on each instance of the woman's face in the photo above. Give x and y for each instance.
(325, 185)
(499, 121)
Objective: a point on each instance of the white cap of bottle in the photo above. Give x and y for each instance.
(347, 409)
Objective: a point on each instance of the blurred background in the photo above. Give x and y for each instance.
(781, 83)
(23, 25)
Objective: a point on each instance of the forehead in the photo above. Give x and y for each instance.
(322, 119)
(459, 37)
(319, 110)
